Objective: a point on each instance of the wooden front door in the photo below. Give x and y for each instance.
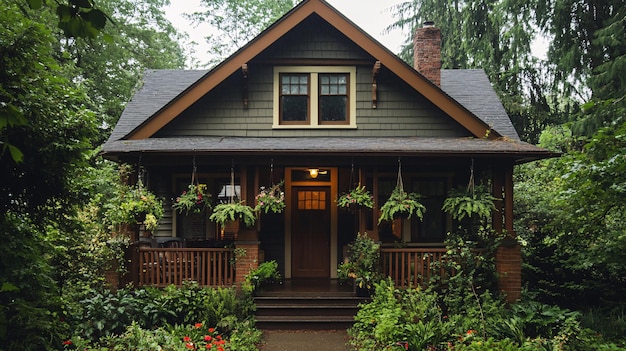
(310, 232)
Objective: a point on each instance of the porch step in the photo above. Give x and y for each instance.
(302, 311)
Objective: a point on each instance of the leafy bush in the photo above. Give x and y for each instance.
(422, 320)
(197, 336)
(107, 313)
(267, 271)
(363, 264)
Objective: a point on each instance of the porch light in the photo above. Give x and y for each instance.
(313, 172)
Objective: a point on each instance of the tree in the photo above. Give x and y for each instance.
(496, 36)
(141, 38)
(236, 22)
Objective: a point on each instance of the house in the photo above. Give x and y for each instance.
(317, 102)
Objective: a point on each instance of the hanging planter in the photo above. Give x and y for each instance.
(233, 210)
(271, 199)
(401, 204)
(473, 202)
(356, 199)
(195, 199)
(135, 204)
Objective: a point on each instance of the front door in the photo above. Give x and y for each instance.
(310, 232)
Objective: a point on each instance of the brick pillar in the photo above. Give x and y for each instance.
(509, 268)
(427, 52)
(243, 264)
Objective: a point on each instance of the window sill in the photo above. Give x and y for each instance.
(324, 126)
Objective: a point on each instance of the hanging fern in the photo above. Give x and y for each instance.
(401, 204)
(462, 203)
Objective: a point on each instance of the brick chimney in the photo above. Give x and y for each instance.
(427, 52)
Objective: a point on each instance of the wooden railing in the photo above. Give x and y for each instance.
(167, 266)
(411, 266)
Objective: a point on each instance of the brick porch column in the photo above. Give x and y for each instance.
(250, 261)
(509, 268)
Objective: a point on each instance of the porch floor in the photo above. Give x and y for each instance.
(307, 287)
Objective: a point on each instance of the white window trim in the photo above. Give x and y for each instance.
(314, 114)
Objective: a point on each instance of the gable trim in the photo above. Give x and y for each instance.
(306, 8)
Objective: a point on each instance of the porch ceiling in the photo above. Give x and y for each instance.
(415, 146)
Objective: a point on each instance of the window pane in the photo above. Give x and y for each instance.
(333, 108)
(294, 108)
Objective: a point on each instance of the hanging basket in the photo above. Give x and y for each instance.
(271, 199)
(401, 204)
(356, 199)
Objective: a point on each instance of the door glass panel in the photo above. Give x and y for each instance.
(311, 200)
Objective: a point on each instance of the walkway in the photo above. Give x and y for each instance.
(304, 340)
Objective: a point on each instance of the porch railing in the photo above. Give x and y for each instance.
(167, 266)
(411, 266)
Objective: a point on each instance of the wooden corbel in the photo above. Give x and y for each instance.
(244, 70)
(375, 71)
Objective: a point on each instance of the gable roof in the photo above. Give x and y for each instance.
(306, 8)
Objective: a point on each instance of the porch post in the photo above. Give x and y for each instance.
(249, 260)
(509, 253)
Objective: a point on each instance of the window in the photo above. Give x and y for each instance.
(314, 97)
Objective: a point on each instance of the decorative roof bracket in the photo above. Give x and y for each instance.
(375, 71)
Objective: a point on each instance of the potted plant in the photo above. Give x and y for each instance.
(356, 198)
(193, 200)
(401, 205)
(233, 211)
(271, 199)
(266, 272)
(362, 265)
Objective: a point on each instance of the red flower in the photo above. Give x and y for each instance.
(189, 345)
(198, 325)
(209, 346)
(186, 339)
(208, 338)
(67, 342)
(219, 348)
(211, 330)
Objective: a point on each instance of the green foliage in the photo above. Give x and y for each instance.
(133, 204)
(103, 314)
(462, 203)
(271, 199)
(401, 204)
(359, 197)
(193, 200)
(228, 212)
(266, 272)
(569, 213)
(197, 336)
(30, 307)
(363, 263)
(424, 320)
(77, 18)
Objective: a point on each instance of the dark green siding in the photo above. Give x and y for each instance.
(400, 110)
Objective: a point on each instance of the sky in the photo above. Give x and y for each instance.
(373, 16)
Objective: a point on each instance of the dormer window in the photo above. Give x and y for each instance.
(314, 97)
